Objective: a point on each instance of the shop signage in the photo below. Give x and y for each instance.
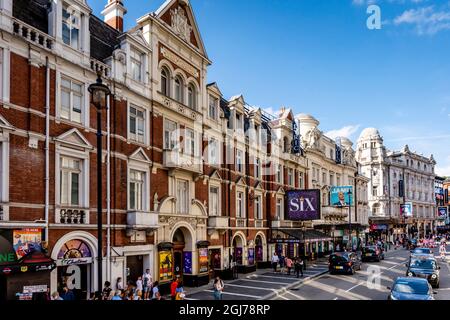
(7, 270)
(35, 289)
(44, 267)
(303, 205)
(341, 196)
(406, 210)
(378, 227)
(24, 269)
(187, 262)
(7, 253)
(75, 261)
(7, 257)
(165, 266)
(203, 260)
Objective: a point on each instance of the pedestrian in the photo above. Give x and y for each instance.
(181, 294)
(116, 296)
(289, 265)
(443, 252)
(56, 297)
(147, 283)
(218, 288)
(138, 295)
(119, 284)
(139, 284)
(298, 267)
(106, 290)
(155, 290)
(173, 288)
(282, 263)
(275, 261)
(67, 294)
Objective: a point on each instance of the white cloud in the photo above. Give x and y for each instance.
(346, 132)
(427, 20)
(443, 169)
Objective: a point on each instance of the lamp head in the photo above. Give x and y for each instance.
(99, 93)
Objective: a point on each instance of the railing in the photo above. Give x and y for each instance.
(73, 216)
(241, 223)
(178, 107)
(99, 67)
(259, 223)
(33, 35)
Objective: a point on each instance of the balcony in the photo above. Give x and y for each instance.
(177, 160)
(259, 224)
(33, 35)
(139, 220)
(218, 223)
(178, 107)
(241, 223)
(72, 216)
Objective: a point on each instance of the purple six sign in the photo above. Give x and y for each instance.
(303, 205)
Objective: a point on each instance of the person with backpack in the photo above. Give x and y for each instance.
(218, 288)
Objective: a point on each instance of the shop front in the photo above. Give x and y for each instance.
(24, 265)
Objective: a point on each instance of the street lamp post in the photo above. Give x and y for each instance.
(350, 240)
(99, 95)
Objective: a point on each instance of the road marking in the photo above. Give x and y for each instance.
(248, 287)
(336, 298)
(262, 281)
(285, 278)
(236, 294)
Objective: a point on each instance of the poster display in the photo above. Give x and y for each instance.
(238, 256)
(442, 212)
(26, 241)
(341, 196)
(406, 210)
(165, 266)
(187, 262)
(251, 256)
(215, 258)
(303, 205)
(203, 260)
(259, 253)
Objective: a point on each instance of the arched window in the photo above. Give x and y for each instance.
(192, 97)
(165, 82)
(179, 89)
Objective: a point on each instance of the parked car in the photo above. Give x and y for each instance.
(344, 262)
(372, 253)
(411, 289)
(425, 267)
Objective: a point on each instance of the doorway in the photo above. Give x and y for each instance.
(178, 248)
(135, 268)
(75, 278)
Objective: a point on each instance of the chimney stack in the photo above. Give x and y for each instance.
(114, 12)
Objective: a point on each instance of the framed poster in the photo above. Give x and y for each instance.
(341, 196)
(238, 256)
(259, 253)
(165, 266)
(26, 241)
(251, 256)
(203, 260)
(215, 258)
(406, 210)
(187, 262)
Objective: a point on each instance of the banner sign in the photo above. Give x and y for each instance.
(442, 212)
(187, 262)
(341, 196)
(203, 260)
(27, 240)
(251, 256)
(303, 205)
(406, 210)
(165, 266)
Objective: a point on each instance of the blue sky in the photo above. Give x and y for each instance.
(319, 57)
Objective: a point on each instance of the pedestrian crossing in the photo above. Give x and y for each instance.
(262, 284)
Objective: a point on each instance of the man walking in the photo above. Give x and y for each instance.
(275, 261)
(298, 267)
(147, 283)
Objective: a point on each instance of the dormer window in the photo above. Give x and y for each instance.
(213, 102)
(239, 122)
(136, 60)
(71, 28)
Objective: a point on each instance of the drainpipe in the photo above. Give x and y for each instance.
(47, 146)
(108, 188)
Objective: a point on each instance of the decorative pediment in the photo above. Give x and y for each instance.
(4, 124)
(179, 16)
(280, 190)
(241, 182)
(215, 88)
(215, 175)
(258, 186)
(140, 155)
(74, 138)
(239, 100)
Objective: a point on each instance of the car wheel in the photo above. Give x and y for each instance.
(352, 271)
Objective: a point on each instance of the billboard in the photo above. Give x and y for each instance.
(26, 241)
(203, 260)
(341, 196)
(406, 210)
(442, 212)
(165, 266)
(187, 262)
(303, 205)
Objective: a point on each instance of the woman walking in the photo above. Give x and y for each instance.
(218, 288)
(181, 294)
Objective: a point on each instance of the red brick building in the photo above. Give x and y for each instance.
(192, 182)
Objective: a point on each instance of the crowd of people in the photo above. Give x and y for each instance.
(288, 264)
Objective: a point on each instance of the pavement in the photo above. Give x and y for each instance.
(264, 284)
(370, 283)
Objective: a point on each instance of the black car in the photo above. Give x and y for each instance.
(424, 267)
(372, 253)
(344, 262)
